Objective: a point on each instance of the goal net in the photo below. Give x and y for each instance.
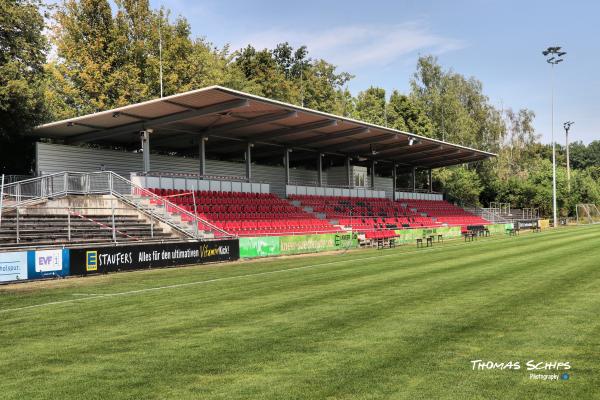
(587, 214)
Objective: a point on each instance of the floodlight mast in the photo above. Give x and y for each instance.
(555, 58)
(567, 126)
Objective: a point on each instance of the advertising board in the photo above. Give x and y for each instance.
(13, 266)
(139, 256)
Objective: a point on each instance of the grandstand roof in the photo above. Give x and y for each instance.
(225, 115)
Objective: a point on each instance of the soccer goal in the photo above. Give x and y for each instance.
(587, 214)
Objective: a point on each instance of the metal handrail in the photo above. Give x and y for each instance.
(20, 194)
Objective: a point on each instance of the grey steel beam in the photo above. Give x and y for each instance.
(430, 180)
(320, 169)
(107, 133)
(456, 161)
(325, 137)
(279, 133)
(348, 172)
(226, 128)
(202, 149)
(145, 137)
(408, 152)
(249, 161)
(394, 178)
(373, 174)
(436, 157)
(358, 143)
(286, 163)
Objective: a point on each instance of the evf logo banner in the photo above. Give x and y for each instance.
(48, 260)
(13, 266)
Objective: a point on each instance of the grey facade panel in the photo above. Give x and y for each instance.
(52, 158)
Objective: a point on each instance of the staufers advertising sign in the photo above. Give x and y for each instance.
(108, 259)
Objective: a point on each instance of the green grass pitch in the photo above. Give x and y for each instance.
(399, 323)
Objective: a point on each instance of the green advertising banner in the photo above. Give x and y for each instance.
(410, 235)
(315, 243)
(499, 228)
(266, 246)
(259, 246)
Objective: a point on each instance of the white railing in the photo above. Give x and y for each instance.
(31, 191)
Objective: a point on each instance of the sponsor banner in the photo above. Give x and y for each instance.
(544, 223)
(527, 223)
(345, 240)
(315, 243)
(499, 228)
(48, 263)
(264, 246)
(130, 257)
(13, 266)
(48, 260)
(410, 235)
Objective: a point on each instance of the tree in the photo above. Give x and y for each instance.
(22, 55)
(105, 60)
(406, 115)
(371, 106)
(459, 183)
(456, 105)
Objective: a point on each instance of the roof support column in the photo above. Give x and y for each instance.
(348, 172)
(320, 169)
(414, 179)
(202, 149)
(145, 135)
(430, 180)
(394, 178)
(286, 164)
(249, 161)
(372, 174)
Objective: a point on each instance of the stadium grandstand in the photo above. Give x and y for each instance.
(219, 163)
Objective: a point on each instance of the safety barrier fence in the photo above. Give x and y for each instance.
(37, 190)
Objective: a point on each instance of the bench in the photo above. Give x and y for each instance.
(513, 231)
(536, 228)
(440, 238)
(470, 236)
(430, 241)
(419, 242)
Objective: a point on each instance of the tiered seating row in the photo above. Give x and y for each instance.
(366, 214)
(247, 214)
(445, 212)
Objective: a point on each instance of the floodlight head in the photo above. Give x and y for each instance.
(545, 52)
(411, 141)
(562, 53)
(559, 60)
(551, 59)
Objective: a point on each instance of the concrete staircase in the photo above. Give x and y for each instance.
(48, 229)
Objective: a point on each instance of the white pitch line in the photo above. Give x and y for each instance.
(178, 285)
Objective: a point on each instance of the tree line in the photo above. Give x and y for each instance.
(81, 57)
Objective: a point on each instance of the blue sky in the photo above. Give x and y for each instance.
(498, 42)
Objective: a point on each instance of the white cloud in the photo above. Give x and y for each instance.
(356, 46)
